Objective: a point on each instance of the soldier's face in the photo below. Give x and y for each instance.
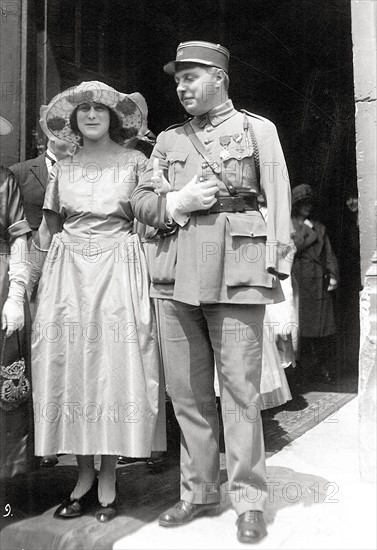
(198, 89)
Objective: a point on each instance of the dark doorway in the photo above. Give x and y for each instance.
(291, 61)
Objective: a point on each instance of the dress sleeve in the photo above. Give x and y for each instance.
(16, 223)
(51, 201)
(142, 162)
(332, 266)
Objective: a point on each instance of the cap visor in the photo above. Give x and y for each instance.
(169, 68)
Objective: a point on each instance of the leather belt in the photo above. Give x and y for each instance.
(231, 204)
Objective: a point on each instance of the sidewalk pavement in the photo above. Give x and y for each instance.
(316, 499)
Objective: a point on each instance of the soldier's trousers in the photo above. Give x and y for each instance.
(193, 337)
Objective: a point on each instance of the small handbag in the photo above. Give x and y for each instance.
(14, 385)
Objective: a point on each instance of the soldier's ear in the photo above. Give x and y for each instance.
(220, 77)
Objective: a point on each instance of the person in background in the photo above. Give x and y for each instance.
(32, 178)
(315, 269)
(32, 175)
(200, 190)
(351, 285)
(94, 288)
(16, 426)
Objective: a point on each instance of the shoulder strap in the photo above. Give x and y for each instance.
(211, 163)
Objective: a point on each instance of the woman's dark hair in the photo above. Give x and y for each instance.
(116, 132)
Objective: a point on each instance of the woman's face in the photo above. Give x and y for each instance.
(304, 208)
(93, 120)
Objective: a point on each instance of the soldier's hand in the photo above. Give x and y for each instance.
(196, 195)
(161, 184)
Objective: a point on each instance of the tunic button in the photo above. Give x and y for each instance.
(239, 157)
(206, 141)
(202, 179)
(204, 165)
(209, 128)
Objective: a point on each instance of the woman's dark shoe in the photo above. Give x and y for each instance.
(104, 514)
(76, 508)
(107, 513)
(48, 461)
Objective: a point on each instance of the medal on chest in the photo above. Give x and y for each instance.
(237, 138)
(224, 142)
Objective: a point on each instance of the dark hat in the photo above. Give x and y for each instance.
(302, 192)
(203, 53)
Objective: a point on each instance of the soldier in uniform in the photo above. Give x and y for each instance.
(217, 264)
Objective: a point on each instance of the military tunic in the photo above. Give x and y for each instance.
(223, 257)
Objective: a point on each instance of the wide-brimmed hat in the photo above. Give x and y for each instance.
(302, 192)
(5, 126)
(203, 53)
(131, 109)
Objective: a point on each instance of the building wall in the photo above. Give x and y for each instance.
(364, 17)
(11, 83)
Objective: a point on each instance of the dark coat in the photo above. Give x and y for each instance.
(314, 262)
(32, 178)
(16, 426)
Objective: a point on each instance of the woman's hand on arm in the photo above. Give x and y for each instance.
(12, 315)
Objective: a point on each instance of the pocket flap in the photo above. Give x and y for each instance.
(237, 155)
(251, 224)
(177, 156)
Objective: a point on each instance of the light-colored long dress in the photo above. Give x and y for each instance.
(95, 350)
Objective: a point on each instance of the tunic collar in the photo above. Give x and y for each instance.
(217, 115)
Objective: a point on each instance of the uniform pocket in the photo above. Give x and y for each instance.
(163, 260)
(245, 251)
(239, 168)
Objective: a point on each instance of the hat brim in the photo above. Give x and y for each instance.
(170, 68)
(130, 109)
(5, 127)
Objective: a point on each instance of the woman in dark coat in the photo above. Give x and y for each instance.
(16, 425)
(315, 269)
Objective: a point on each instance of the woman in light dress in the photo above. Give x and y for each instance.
(279, 344)
(95, 351)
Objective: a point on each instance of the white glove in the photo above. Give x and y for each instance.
(195, 196)
(161, 184)
(308, 223)
(12, 316)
